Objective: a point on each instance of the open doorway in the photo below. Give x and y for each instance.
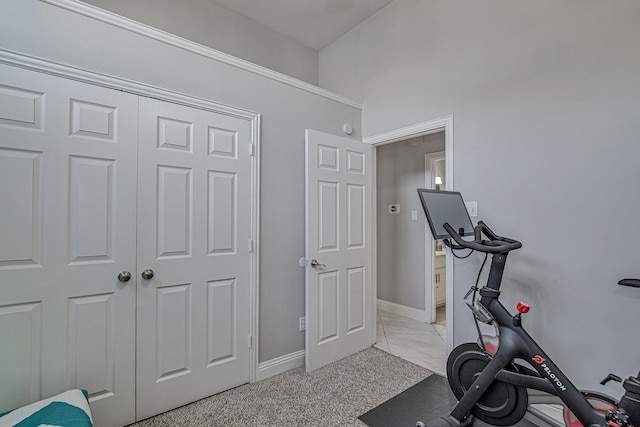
(411, 266)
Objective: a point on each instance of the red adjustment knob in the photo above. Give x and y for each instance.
(522, 307)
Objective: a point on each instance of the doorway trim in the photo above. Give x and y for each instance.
(20, 60)
(442, 124)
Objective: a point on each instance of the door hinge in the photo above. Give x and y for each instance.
(250, 246)
(252, 150)
(250, 341)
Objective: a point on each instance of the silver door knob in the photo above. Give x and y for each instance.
(147, 274)
(124, 276)
(315, 264)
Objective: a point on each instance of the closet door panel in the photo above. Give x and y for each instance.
(68, 175)
(194, 222)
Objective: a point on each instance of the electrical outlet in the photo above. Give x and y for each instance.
(302, 323)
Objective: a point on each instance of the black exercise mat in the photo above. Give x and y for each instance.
(428, 399)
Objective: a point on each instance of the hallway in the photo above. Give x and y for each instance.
(420, 343)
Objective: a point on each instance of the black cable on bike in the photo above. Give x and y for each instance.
(447, 242)
(462, 257)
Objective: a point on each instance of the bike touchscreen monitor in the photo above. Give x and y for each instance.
(442, 207)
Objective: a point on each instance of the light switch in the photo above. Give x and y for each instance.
(472, 208)
(414, 215)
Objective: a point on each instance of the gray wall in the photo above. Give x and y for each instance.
(400, 170)
(545, 97)
(45, 31)
(212, 25)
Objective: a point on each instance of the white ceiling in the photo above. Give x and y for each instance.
(314, 23)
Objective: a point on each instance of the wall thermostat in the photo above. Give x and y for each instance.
(394, 209)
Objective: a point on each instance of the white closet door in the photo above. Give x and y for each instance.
(194, 219)
(67, 229)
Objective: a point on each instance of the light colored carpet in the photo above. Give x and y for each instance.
(331, 396)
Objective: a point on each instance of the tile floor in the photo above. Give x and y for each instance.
(420, 343)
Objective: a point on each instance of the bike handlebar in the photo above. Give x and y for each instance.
(495, 245)
(634, 283)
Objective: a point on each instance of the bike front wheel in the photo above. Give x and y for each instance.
(503, 404)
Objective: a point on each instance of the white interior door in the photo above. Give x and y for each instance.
(338, 248)
(67, 229)
(194, 224)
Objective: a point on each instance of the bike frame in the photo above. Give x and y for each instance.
(515, 343)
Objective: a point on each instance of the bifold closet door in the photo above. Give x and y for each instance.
(82, 218)
(194, 222)
(67, 231)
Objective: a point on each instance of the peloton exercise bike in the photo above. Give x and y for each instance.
(490, 378)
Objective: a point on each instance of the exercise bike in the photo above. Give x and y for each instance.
(495, 378)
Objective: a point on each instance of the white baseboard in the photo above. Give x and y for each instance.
(293, 360)
(280, 364)
(402, 310)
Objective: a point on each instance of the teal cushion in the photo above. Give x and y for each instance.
(68, 409)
